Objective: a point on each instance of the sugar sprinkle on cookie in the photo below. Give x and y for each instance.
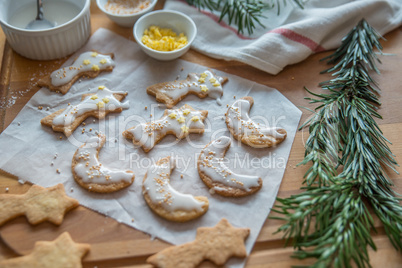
(167, 202)
(88, 64)
(97, 104)
(218, 177)
(246, 130)
(204, 84)
(92, 175)
(176, 121)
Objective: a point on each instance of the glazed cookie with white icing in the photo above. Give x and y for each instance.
(203, 85)
(97, 104)
(164, 200)
(92, 175)
(249, 132)
(218, 177)
(179, 122)
(89, 64)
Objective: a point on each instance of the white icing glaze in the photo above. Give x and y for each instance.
(159, 190)
(205, 83)
(87, 61)
(180, 122)
(103, 99)
(242, 124)
(90, 170)
(212, 165)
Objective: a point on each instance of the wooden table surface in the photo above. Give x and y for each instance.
(116, 245)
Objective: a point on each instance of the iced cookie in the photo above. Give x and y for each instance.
(93, 175)
(218, 177)
(89, 64)
(38, 205)
(179, 122)
(216, 244)
(202, 85)
(62, 252)
(244, 129)
(166, 201)
(97, 104)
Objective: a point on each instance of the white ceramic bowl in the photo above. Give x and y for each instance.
(125, 20)
(49, 44)
(177, 21)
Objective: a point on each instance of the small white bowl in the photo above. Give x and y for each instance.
(125, 20)
(48, 44)
(177, 21)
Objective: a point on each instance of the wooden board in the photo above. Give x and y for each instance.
(117, 245)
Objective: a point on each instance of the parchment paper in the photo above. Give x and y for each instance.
(34, 153)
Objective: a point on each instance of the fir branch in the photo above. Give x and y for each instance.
(245, 14)
(341, 222)
(343, 128)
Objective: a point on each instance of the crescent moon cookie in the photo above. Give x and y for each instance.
(166, 201)
(89, 173)
(89, 64)
(244, 129)
(179, 122)
(202, 85)
(97, 104)
(218, 177)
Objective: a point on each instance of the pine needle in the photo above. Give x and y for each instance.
(245, 14)
(330, 220)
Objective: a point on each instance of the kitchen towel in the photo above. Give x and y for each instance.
(291, 36)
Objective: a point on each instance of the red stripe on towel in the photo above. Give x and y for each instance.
(291, 35)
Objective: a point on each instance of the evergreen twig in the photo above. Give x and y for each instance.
(330, 220)
(245, 14)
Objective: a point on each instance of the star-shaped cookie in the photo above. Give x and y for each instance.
(216, 244)
(38, 204)
(62, 252)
